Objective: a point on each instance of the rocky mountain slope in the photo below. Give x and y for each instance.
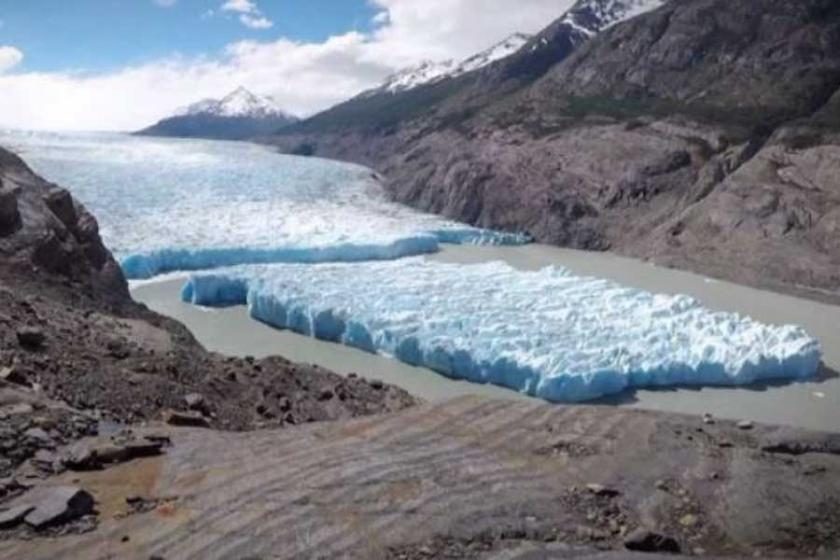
(75, 349)
(702, 134)
(443, 96)
(241, 114)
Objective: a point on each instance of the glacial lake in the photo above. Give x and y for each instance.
(813, 405)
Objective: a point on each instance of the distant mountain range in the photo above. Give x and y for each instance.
(239, 115)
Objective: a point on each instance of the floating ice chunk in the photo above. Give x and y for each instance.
(549, 333)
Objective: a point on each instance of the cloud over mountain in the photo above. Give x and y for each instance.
(303, 77)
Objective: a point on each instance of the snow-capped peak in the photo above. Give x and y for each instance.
(239, 103)
(428, 72)
(593, 16)
(409, 78)
(494, 53)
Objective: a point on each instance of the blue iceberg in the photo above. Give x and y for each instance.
(549, 334)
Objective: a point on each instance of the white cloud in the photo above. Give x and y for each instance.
(9, 58)
(302, 77)
(412, 30)
(256, 22)
(249, 14)
(240, 6)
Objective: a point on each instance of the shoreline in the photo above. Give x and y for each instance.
(813, 405)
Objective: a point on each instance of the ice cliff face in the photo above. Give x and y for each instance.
(549, 333)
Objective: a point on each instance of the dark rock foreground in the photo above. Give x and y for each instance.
(470, 478)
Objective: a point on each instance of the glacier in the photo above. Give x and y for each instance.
(166, 205)
(316, 247)
(549, 333)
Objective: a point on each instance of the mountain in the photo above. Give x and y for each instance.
(701, 134)
(441, 91)
(239, 115)
(429, 72)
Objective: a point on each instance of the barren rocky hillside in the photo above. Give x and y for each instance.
(701, 135)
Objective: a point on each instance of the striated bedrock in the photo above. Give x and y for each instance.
(703, 135)
(477, 479)
(549, 334)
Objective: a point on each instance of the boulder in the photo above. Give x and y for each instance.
(31, 337)
(186, 419)
(80, 457)
(60, 203)
(196, 402)
(642, 540)
(602, 491)
(13, 517)
(38, 435)
(93, 454)
(55, 505)
(144, 448)
(14, 375)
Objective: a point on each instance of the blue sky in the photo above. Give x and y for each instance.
(102, 35)
(124, 64)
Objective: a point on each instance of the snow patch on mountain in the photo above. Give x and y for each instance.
(586, 18)
(428, 72)
(593, 16)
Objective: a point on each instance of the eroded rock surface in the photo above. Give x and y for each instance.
(473, 478)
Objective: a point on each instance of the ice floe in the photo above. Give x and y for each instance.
(549, 333)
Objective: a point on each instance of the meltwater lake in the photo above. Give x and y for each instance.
(260, 254)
